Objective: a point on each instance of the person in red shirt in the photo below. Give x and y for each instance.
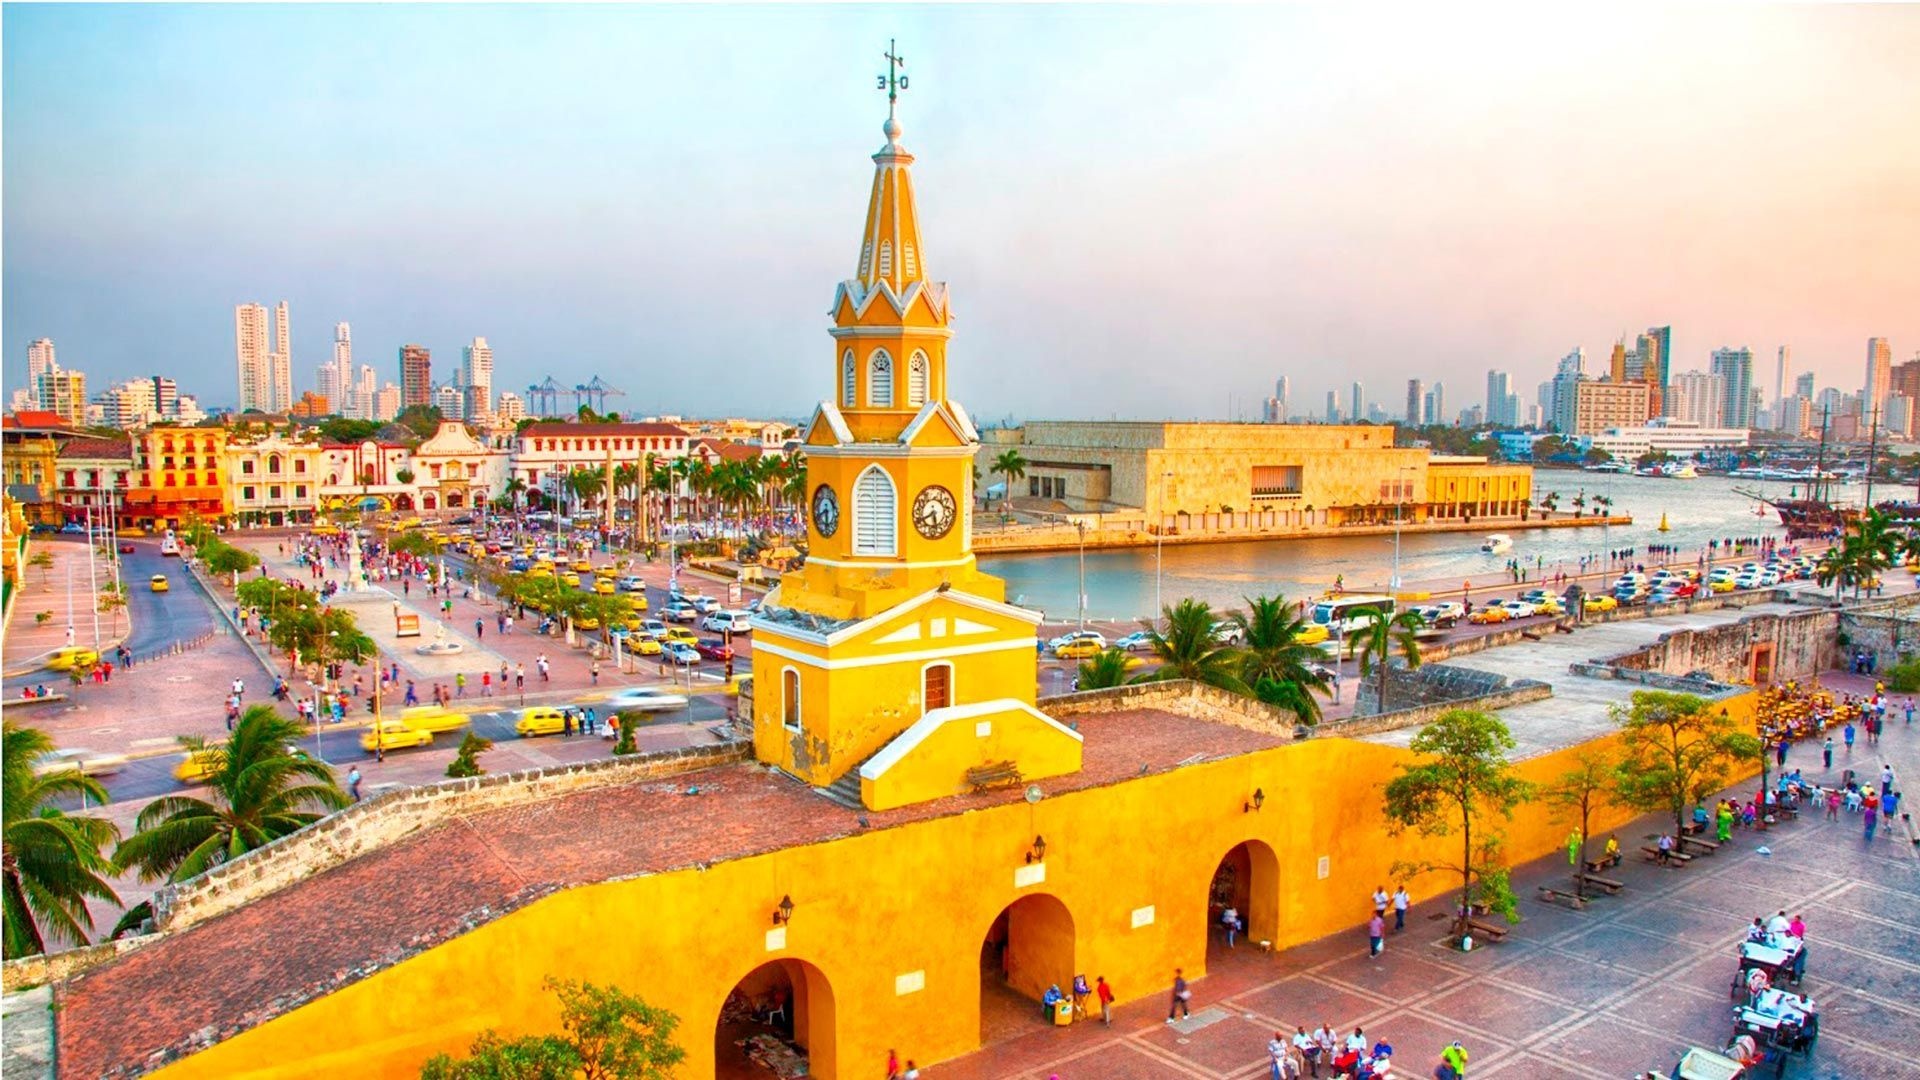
(1105, 994)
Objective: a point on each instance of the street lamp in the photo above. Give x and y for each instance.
(1159, 534)
(1081, 527)
(1398, 501)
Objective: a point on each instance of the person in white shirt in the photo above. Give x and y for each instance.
(1307, 1048)
(1329, 1042)
(1380, 900)
(1778, 924)
(1357, 1042)
(1400, 901)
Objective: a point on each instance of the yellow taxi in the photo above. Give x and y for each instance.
(680, 635)
(158, 583)
(198, 765)
(540, 720)
(132, 530)
(1598, 602)
(638, 643)
(586, 622)
(583, 566)
(570, 579)
(604, 586)
(409, 523)
(639, 601)
(1311, 634)
(1083, 649)
(393, 735)
(73, 656)
(1721, 585)
(539, 570)
(432, 718)
(605, 572)
(1492, 613)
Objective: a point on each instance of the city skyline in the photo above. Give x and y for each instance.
(1070, 251)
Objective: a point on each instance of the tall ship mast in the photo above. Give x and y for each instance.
(1815, 515)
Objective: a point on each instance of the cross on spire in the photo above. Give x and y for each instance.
(895, 79)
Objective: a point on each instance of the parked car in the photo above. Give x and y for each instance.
(727, 622)
(681, 612)
(1138, 641)
(713, 650)
(646, 699)
(1492, 613)
(1598, 602)
(1227, 632)
(681, 653)
(632, 583)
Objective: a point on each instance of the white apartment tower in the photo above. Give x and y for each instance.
(1781, 390)
(1873, 393)
(40, 360)
(280, 363)
(250, 349)
(476, 375)
(335, 377)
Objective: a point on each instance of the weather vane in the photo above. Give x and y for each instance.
(895, 80)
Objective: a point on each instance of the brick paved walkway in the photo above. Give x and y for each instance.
(1625, 985)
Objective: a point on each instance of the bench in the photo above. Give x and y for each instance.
(1486, 930)
(1594, 866)
(994, 774)
(1608, 884)
(1675, 857)
(1553, 895)
(49, 699)
(1707, 847)
(1692, 828)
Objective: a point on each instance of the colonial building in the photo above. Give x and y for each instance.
(273, 479)
(32, 461)
(94, 474)
(452, 470)
(546, 453)
(373, 475)
(178, 475)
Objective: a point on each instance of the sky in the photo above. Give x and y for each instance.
(1141, 211)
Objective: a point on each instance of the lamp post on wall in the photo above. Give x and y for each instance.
(1399, 501)
(1159, 534)
(1081, 527)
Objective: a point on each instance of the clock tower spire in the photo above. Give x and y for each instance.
(890, 627)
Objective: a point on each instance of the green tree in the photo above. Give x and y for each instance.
(422, 420)
(338, 429)
(1462, 775)
(113, 600)
(414, 542)
(605, 1034)
(1676, 749)
(223, 558)
(258, 790)
(405, 476)
(1274, 663)
(1579, 792)
(1188, 648)
(1596, 456)
(1375, 640)
(1103, 670)
(52, 861)
(1012, 466)
(466, 760)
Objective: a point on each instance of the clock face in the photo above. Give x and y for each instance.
(933, 512)
(826, 511)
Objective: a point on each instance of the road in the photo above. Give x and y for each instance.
(183, 613)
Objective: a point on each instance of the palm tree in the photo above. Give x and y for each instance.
(258, 791)
(1188, 648)
(1376, 638)
(1012, 466)
(513, 490)
(52, 860)
(1103, 671)
(1872, 546)
(1280, 670)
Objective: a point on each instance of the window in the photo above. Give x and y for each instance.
(273, 492)
(299, 491)
(917, 378)
(246, 467)
(247, 493)
(873, 513)
(936, 687)
(886, 258)
(880, 380)
(1275, 481)
(273, 463)
(790, 698)
(300, 466)
(847, 380)
(913, 267)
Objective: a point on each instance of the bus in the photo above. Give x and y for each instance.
(1336, 613)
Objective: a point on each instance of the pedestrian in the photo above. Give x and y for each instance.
(1400, 901)
(1380, 899)
(1833, 804)
(500, 622)
(593, 721)
(353, 782)
(1181, 996)
(1376, 934)
(1870, 817)
(479, 629)
(1104, 994)
(1847, 734)
(239, 688)
(412, 698)
(486, 684)
(520, 676)
(1455, 1056)
(595, 672)
(893, 1065)
(1826, 752)
(912, 1073)
(460, 684)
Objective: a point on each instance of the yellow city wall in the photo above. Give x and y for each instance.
(879, 912)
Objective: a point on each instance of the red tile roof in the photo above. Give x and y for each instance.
(88, 446)
(728, 450)
(35, 418)
(569, 429)
(221, 977)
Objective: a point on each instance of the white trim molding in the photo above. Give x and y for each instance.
(904, 743)
(849, 662)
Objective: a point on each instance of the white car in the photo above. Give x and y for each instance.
(1747, 581)
(631, 583)
(727, 622)
(646, 699)
(1227, 632)
(1519, 609)
(81, 760)
(680, 611)
(1072, 636)
(653, 628)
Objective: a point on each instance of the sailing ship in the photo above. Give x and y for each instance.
(1816, 515)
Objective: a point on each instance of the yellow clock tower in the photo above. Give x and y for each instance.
(890, 641)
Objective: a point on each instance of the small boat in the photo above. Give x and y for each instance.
(1685, 471)
(1497, 543)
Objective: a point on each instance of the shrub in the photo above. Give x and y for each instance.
(1905, 675)
(466, 761)
(624, 744)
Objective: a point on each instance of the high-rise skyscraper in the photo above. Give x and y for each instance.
(1617, 363)
(1565, 393)
(334, 379)
(451, 400)
(416, 376)
(1873, 393)
(1780, 387)
(40, 361)
(365, 390)
(251, 349)
(1354, 404)
(1696, 397)
(476, 376)
(1660, 362)
(280, 363)
(166, 397)
(1503, 405)
(1803, 385)
(64, 392)
(386, 403)
(1416, 401)
(1435, 405)
(1735, 368)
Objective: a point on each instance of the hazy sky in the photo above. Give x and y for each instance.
(1141, 211)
